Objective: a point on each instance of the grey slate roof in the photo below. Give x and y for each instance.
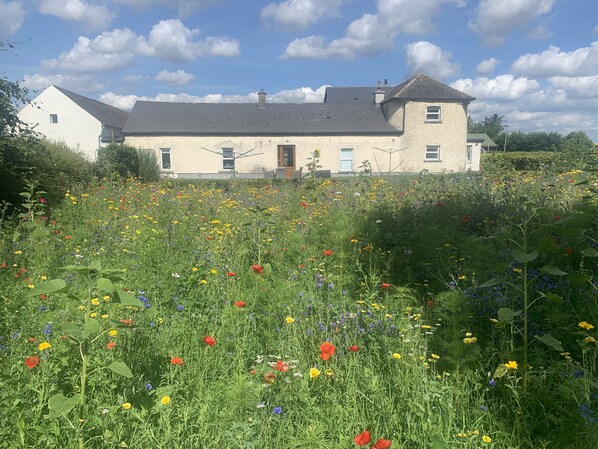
(162, 118)
(423, 88)
(345, 95)
(106, 114)
(481, 137)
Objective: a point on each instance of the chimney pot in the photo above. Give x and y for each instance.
(261, 98)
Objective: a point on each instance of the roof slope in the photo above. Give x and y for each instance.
(345, 95)
(163, 118)
(106, 114)
(422, 87)
(483, 137)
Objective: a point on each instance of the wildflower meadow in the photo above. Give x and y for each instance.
(416, 311)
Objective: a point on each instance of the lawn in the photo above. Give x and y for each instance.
(430, 311)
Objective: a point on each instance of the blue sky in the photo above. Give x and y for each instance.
(533, 61)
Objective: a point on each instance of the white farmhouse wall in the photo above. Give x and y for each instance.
(189, 158)
(76, 127)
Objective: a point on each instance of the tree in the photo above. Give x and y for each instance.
(492, 125)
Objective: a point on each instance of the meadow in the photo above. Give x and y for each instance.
(424, 311)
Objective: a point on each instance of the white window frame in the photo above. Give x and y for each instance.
(346, 159)
(469, 154)
(164, 152)
(432, 153)
(53, 118)
(228, 155)
(433, 113)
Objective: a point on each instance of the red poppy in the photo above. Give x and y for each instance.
(240, 303)
(209, 237)
(68, 237)
(127, 322)
(353, 348)
(231, 274)
(304, 205)
(328, 252)
(362, 439)
(257, 269)
(111, 345)
(326, 350)
(210, 341)
(465, 218)
(3, 265)
(269, 378)
(439, 204)
(281, 366)
(32, 339)
(42, 296)
(382, 444)
(32, 362)
(385, 285)
(176, 361)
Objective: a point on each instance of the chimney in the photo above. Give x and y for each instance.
(378, 95)
(261, 98)
(386, 81)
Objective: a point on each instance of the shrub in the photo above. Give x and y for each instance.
(149, 170)
(494, 163)
(117, 159)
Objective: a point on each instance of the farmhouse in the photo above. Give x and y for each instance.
(81, 123)
(420, 124)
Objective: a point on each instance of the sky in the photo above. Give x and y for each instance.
(533, 61)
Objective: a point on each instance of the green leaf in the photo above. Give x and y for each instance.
(76, 269)
(522, 257)
(492, 282)
(553, 297)
(45, 288)
(126, 299)
(590, 252)
(59, 404)
(91, 327)
(506, 314)
(72, 330)
(552, 270)
(500, 371)
(121, 368)
(550, 341)
(105, 285)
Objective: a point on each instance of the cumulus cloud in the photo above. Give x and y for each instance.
(299, 95)
(373, 33)
(86, 83)
(503, 87)
(178, 78)
(576, 87)
(299, 14)
(12, 16)
(425, 57)
(92, 16)
(487, 66)
(169, 40)
(554, 62)
(494, 20)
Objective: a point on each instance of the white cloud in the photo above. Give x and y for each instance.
(576, 87)
(503, 87)
(373, 33)
(299, 95)
(540, 33)
(487, 66)
(183, 7)
(12, 16)
(77, 83)
(554, 62)
(92, 16)
(169, 40)
(425, 57)
(496, 19)
(134, 79)
(299, 14)
(178, 78)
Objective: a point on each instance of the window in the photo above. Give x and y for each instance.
(228, 159)
(53, 118)
(433, 114)
(469, 152)
(432, 153)
(346, 159)
(165, 158)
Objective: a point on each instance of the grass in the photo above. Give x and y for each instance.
(125, 281)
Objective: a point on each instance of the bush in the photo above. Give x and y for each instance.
(117, 159)
(149, 170)
(496, 163)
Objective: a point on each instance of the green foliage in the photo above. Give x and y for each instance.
(12, 96)
(117, 159)
(149, 170)
(492, 125)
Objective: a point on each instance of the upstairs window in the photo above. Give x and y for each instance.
(433, 114)
(53, 118)
(165, 159)
(228, 159)
(346, 159)
(432, 153)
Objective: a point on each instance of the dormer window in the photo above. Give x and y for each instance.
(433, 114)
(53, 118)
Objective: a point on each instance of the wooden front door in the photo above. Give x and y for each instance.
(286, 159)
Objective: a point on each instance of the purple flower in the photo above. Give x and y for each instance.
(277, 410)
(492, 383)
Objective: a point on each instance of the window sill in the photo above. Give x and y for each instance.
(432, 160)
(432, 121)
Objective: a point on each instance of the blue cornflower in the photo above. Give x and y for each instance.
(148, 386)
(492, 383)
(47, 330)
(483, 408)
(180, 307)
(277, 410)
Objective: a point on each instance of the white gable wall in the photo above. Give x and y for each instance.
(75, 127)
